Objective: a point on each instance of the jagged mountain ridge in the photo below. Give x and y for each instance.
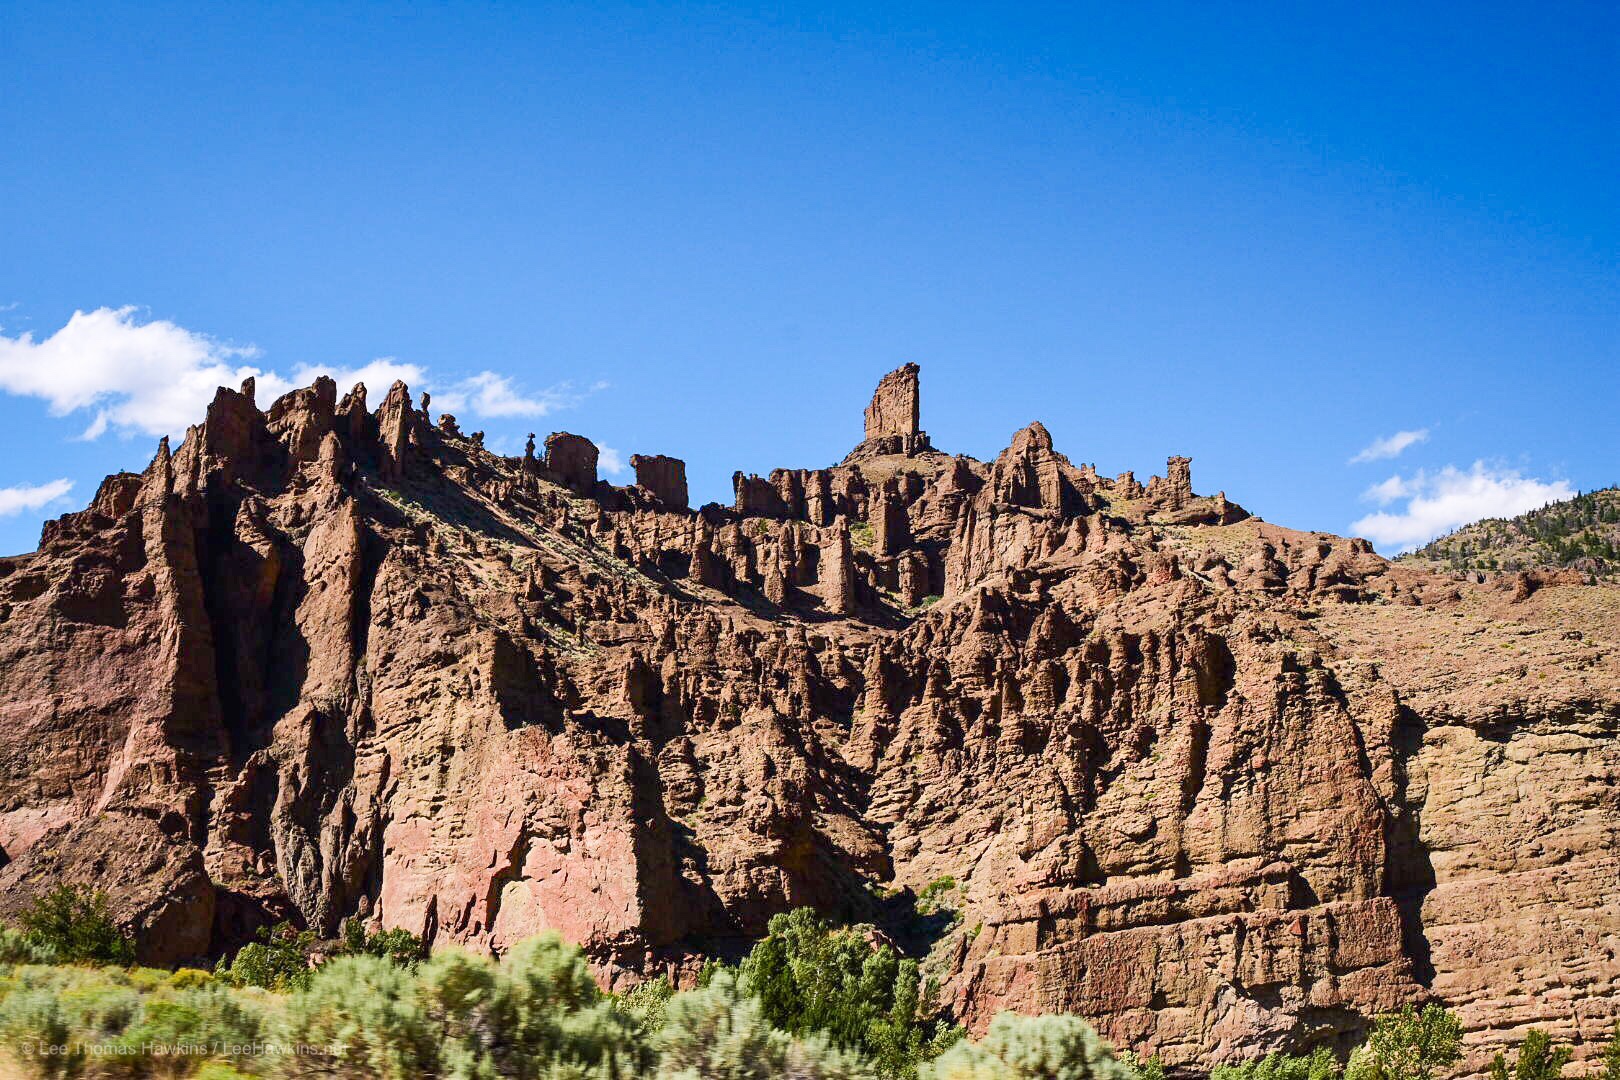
(1220, 786)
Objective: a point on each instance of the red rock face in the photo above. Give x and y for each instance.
(1220, 786)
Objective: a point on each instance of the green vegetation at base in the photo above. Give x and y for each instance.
(811, 978)
(1611, 1057)
(935, 895)
(1031, 1048)
(1408, 1045)
(1538, 1059)
(1319, 1064)
(70, 925)
(812, 1001)
(284, 957)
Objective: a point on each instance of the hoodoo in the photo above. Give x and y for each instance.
(1220, 786)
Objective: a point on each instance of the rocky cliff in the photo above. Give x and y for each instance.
(1220, 786)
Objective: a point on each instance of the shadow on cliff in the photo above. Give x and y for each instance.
(1408, 866)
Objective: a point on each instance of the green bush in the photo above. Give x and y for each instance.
(35, 1030)
(104, 1021)
(1611, 1056)
(1319, 1064)
(1538, 1059)
(1408, 1045)
(398, 945)
(279, 960)
(550, 1010)
(538, 1014)
(646, 1003)
(721, 1033)
(187, 978)
(98, 1009)
(933, 895)
(189, 1025)
(17, 948)
(1031, 1048)
(75, 925)
(359, 1016)
(1151, 1068)
(810, 978)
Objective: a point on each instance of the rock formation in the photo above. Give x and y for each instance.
(893, 419)
(1220, 786)
(571, 459)
(663, 477)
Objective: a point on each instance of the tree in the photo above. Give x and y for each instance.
(811, 978)
(1319, 1064)
(359, 1017)
(279, 960)
(1539, 1059)
(720, 1033)
(76, 925)
(398, 945)
(1408, 1045)
(646, 1003)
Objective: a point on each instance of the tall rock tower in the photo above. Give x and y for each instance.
(893, 418)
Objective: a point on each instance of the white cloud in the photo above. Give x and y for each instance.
(1390, 447)
(147, 377)
(156, 378)
(1387, 491)
(1441, 501)
(14, 500)
(378, 376)
(490, 395)
(609, 460)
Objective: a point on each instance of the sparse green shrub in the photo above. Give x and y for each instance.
(359, 1017)
(189, 1025)
(811, 978)
(646, 1003)
(189, 978)
(1538, 1059)
(1408, 1045)
(279, 960)
(35, 1030)
(550, 1010)
(398, 945)
(457, 991)
(1031, 1048)
(17, 948)
(76, 925)
(933, 895)
(1611, 1056)
(1151, 1068)
(97, 1008)
(1319, 1064)
(721, 1033)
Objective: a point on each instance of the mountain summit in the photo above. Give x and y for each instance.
(1220, 786)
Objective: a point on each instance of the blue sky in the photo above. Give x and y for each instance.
(1361, 262)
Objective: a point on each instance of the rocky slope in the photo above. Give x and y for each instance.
(1220, 786)
(1580, 535)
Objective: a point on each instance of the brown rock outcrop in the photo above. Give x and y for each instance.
(663, 477)
(1220, 786)
(572, 460)
(893, 419)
